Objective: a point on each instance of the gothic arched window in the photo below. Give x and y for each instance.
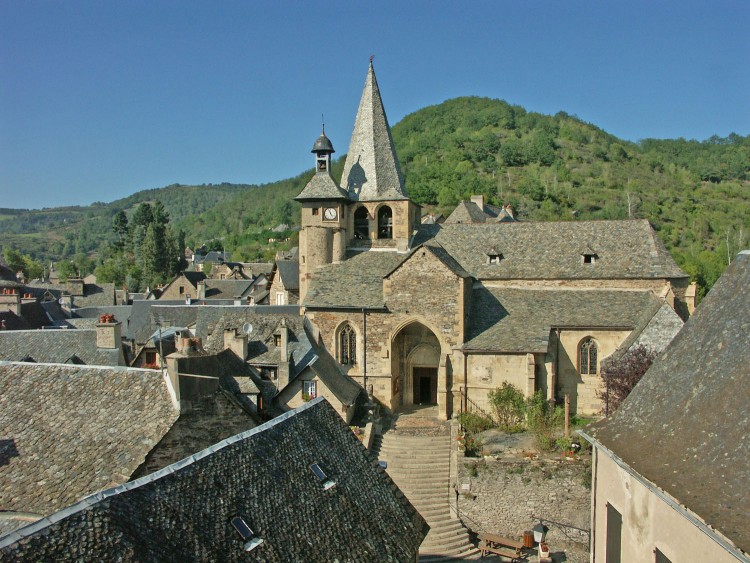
(385, 222)
(348, 345)
(588, 354)
(361, 224)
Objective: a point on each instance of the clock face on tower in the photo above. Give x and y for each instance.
(331, 214)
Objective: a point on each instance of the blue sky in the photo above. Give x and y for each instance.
(100, 99)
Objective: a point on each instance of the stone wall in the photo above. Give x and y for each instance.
(503, 496)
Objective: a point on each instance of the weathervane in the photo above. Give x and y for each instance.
(323, 122)
(371, 58)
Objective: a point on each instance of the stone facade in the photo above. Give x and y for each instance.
(454, 311)
(509, 497)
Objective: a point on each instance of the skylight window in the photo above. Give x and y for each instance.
(322, 477)
(494, 256)
(251, 540)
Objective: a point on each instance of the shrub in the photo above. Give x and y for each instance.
(622, 375)
(473, 445)
(543, 419)
(508, 405)
(474, 423)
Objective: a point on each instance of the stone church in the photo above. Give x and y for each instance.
(443, 314)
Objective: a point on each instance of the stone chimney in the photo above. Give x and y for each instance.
(202, 289)
(188, 345)
(281, 337)
(20, 277)
(236, 341)
(75, 287)
(108, 333)
(10, 300)
(172, 371)
(27, 298)
(479, 200)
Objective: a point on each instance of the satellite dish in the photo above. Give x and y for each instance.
(247, 328)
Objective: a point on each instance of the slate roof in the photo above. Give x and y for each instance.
(533, 251)
(94, 295)
(288, 271)
(520, 320)
(354, 283)
(689, 412)
(322, 186)
(57, 346)
(371, 171)
(656, 329)
(183, 512)
(227, 289)
(552, 250)
(75, 430)
(213, 321)
(326, 368)
(466, 212)
(210, 417)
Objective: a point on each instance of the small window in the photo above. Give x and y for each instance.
(268, 373)
(588, 258)
(151, 358)
(310, 389)
(348, 346)
(385, 222)
(182, 289)
(277, 340)
(494, 258)
(361, 224)
(315, 210)
(588, 357)
(322, 165)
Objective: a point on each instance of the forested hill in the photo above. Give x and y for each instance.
(697, 194)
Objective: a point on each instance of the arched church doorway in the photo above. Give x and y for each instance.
(415, 363)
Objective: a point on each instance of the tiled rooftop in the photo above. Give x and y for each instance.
(75, 430)
(183, 512)
(690, 413)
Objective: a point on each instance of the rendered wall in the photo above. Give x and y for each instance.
(647, 521)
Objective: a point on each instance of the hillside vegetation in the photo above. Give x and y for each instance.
(697, 194)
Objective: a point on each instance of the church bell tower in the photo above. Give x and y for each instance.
(322, 238)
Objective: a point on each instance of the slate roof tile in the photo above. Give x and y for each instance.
(520, 320)
(183, 512)
(689, 412)
(75, 430)
(56, 346)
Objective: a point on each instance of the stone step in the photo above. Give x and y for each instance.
(468, 554)
(445, 545)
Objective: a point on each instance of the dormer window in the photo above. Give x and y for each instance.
(588, 258)
(494, 256)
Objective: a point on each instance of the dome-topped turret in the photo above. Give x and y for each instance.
(323, 144)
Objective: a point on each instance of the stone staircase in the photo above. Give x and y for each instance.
(419, 463)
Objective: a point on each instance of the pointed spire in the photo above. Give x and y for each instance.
(371, 171)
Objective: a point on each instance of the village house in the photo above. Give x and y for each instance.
(670, 466)
(284, 289)
(424, 313)
(297, 488)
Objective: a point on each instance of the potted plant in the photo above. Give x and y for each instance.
(543, 550)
